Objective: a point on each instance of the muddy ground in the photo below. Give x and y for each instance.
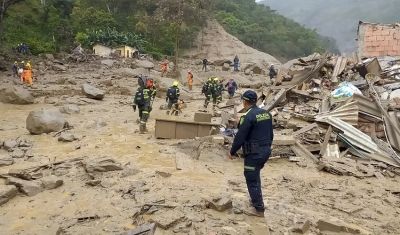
(168, 173)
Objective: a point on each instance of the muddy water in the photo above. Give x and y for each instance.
(42, 213)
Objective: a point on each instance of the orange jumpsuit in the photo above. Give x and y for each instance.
(164, 68)
(190, 80)
(27, 76)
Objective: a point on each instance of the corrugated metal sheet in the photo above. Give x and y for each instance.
(393, 137)
(361, 141)
(339, 67)
(369, 106)
(347, 112)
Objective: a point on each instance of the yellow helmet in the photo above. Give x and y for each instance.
(15, 62)
(209, 79)
(175, 83)
(29, 61)
(216, 79)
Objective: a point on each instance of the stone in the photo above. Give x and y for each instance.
(17, 153)
(163, 174)
(128, 72)
(218, 140)
(45, 121)
(51, 182)
(220, 204)
(102, 165)
(30, 188)
(167, 219)
(226, 67)
(49, 56)
(10, 144)
(6, 161)
(222, 62)
(99, 124)
(59, 67)
(336, 226)
(16, 95)
(129, 171)
(107, 183)
(301, 227)
(144, 64)
(7, 192)
(92, 92)
(109, 63)
(61, 81)
(247, 72)
(65, 137)
(70, 109)
(93, 182)
(107, 82)
(25, 144)
(50, 100)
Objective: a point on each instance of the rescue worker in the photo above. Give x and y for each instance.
(221, 89)
(26, 76)
(255, 136)
(164, 67)
(216, 92)
(22, 65)
(232, 87)
(190, 80)
(173, 94)
(28, 65)
(272, 72)
(206, 90)
(15, 69)
(142, 100)
(236, 63)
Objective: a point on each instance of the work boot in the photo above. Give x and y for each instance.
(168, 112)
(205, 106)
(142, 129)
(176, 113)
(251, 211)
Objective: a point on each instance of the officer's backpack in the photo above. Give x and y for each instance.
(139, 97)
(230, 85)
(171, 93)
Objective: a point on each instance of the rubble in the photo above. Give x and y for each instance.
(51, 182)
(102, 165)
(30, 188)
(7, 192)
(220, 204)
(92, 92)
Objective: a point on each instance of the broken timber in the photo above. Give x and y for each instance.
(146, 229)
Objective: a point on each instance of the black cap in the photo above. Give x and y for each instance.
(250, 96)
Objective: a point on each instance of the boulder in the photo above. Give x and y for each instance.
(107, 82)
(17, 153)
(10, 144)
(7, 192)
(6, 161)
(247, 72)
(92, 92)
(51, 182)
(30, 188)
(129, 171)
(102, 165)
(70, 109)
(59, 67)
(45, 121)
(16, 95)
(49, 56)
(144, 64)
(109, 63)
(65, 137)
(222, 62)
(128, 72)
(226, 67)
(220, 203)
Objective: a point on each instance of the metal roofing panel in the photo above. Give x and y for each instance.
(347, 112)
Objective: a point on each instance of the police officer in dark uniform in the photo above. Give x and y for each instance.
(255, 136)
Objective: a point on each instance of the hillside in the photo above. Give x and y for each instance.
(54, 26)
(338, 18)
(215, 43)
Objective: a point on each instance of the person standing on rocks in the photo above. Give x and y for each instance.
(173, 94)
(205, 61)
(164, 68)
(142, 100)
(216, 92)
(236, 63)
(28, 65)
(255, 136)
(206, 90)
(232, 87)
(190, 80)
(272, 72)
(15, 69)
(26, 76)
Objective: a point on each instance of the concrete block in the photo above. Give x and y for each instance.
(218, 140)
(283, 140)
(202, 117)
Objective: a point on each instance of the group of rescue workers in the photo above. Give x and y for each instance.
(214, 88)
(23, 71)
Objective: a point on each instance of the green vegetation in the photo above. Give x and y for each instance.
(159, 27)
(338, 18)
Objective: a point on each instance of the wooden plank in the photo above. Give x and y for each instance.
(305, 129)
(326, 141)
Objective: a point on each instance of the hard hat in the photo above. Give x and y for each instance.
(23, 62)
(216, 79)
(250, 95)
(15, 62)
(29, 61)
(209, 79)
(175, 83)
(272, 64)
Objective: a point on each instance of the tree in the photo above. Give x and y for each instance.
(5, 5)
(182, 15)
